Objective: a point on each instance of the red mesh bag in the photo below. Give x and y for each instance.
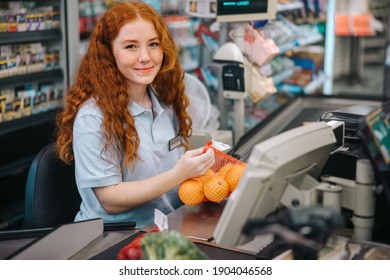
(217, 184)
(221, 159)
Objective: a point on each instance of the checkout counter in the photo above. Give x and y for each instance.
(198, 222)
(292, 111)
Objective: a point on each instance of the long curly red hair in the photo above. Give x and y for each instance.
(99, 77)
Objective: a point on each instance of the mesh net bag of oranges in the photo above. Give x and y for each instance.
(218, 182)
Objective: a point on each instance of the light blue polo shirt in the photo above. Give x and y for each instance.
(95, 168)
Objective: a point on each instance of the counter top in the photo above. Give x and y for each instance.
(198, 223)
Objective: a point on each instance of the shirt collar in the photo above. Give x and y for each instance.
(136, 109)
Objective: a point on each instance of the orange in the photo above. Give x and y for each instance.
(222, 172)
(203, 179)
(191, 192)
(233, 176)
(216, 189)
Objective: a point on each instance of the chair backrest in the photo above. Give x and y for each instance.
(51, 197)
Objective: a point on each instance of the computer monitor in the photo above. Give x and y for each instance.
(374, 131)
(294, 157)
(249, 10)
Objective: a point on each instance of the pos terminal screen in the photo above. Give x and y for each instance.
(375, 133)
(226, 7)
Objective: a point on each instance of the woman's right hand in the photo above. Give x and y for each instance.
(194, 163)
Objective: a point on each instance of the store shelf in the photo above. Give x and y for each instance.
(32, 120)
(30, 36)
(12, 216)
(290, 6)
(308, 89)
(287, 47)
(21, 138)
(315, 84)
(315, 38)
(278, 78)
(301, 42)
(49, 75)
(16, 166)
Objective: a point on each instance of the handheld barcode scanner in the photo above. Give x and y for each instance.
(232, 77)
(233, 70)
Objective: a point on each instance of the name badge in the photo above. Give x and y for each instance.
(174, 142)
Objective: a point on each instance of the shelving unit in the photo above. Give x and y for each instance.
(315, 38)
(290, 6)
(45, 76)
(257, 113)
(22, 137)
(30, 36)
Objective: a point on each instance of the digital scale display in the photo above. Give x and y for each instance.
(226, 7)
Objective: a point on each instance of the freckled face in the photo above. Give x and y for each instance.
(138, 53)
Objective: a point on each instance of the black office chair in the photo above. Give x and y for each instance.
(51, 197)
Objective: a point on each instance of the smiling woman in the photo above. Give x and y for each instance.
(126, 105)
(139, 57)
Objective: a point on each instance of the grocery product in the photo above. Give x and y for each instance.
(216, 189)
(233, 175)
(161, 245)
(191, 192)
(218, 182)
(203, 179)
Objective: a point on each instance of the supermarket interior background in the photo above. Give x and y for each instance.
(319, 49)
